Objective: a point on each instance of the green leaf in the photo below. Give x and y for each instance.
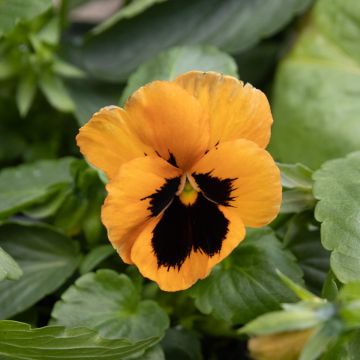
(231, 25)
(9, 269)
(55, 92)
(155, 353)
(281, 321)
(295, 176)
(13, 11)
(65, 69)
(135, 7)
(347, 348)
(297, 201)
(25, 93)
(297, 183)
(302, 238)
(307, 107)
(19, 341)
(29, 184)
(47, 259)
(171, 63)
(246, 285)
(349, 309)
(50, 206)
(89, 96)
(110, 303)
(321, 340)
(179, 344)
(95, 257)
(7, 68)
(300, 291)
(330, 290)
(337, 187)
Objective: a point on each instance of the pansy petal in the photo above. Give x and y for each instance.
(141, 190)
(243, 176)
(107, 142)
(171, 121)
(235, 234)
(172, 278)
(183, 245)
(235, 110)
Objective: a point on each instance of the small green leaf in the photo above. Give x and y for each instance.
(297, 201)
(330, 290)
(154, 353)
(302, 238)
(301, 292)
(29, 184)
(337, 187)
(9, 269)
(47, 259)
(246, 285)
(50, 205)
(25, 93)
(349, 297)
(7, 69)
(18, 340)
(95, 257)
(321, 340)
(13, 11)
(65, 69)
(55, 92)
(171, 63)
(110, 303)
(296, 176)
(280, 321)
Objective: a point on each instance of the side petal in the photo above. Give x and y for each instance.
(172, 278)
(243, 176)
(171, 121)
(107, 142)
(130, 202)
(235, 110)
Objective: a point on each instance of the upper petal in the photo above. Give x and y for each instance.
(137, 194)
(107, 142)
(171, 121)
(243, 176)
(235, 110)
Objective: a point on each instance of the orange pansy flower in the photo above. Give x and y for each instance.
(187, 172)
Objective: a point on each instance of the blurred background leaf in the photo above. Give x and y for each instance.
(316, 88)
(18, 340)
(231, 25)
(46, 257)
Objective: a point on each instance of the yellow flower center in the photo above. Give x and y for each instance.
(188, 195)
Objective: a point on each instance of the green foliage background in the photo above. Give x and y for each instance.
(64, 292)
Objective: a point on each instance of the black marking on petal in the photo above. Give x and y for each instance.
(163, 196)
(172, 159)
(200, 227)
(215, 189)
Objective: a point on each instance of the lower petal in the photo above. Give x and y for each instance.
(184, 244)
(168, 278)
(133, 199)
(235, 234)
